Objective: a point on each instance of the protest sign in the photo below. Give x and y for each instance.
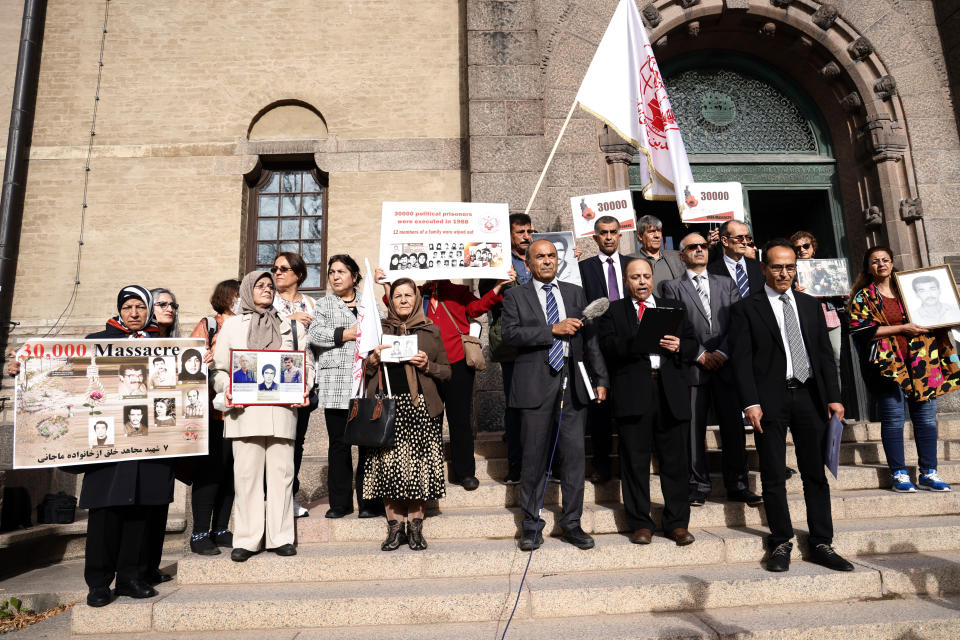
(586, 210)
(438, 240)
(714, 202)
(267, 376)
(823, 278)
(567, 268)
(91, 401)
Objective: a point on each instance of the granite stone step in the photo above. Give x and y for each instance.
(888, 619)
(503, 522)
(475, 599)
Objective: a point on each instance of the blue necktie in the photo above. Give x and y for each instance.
(555, 357)
(742, 283)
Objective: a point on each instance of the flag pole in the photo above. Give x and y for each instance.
(556, 144)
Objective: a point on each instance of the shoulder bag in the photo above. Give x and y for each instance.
(472, 349)
(372, 421)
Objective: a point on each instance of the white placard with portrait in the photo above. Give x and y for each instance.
(567, 268)
(930, 296)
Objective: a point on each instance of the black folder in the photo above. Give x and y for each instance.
(656, 323)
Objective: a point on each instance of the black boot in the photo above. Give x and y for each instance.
(415, 535)
(396, 536)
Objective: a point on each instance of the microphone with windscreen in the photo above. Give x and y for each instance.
(596, 309)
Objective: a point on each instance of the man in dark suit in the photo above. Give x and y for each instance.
(602, 277)
(666, 264)
(541, 319)
(708, 297)
(745, 272)
(783, 365)
(650, 394)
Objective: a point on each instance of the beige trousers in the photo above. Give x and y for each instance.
(255, 516)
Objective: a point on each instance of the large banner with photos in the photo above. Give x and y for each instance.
(92, 401)
(437, 240)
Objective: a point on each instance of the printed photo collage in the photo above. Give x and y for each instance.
(267, 377)
(430, 255)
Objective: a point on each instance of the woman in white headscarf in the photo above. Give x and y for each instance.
(263, 436)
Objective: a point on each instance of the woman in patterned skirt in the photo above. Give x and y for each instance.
(410, 472)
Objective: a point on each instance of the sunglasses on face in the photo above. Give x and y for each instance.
(741, 238)
(696, 245)
(802, 247)
(275, 270)
(164, 305)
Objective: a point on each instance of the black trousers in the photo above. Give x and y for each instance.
(212, 491)
(538, 428)
(116, 545)
(725, 402)
(457, 395)
(809, 430)
(638, 435)
(303, 421)
(600, 426)
(156, 529)
(511, 419)
(340, 474)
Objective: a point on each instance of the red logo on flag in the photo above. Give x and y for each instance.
(650, 113)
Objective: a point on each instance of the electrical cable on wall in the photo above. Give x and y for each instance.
(71, 302)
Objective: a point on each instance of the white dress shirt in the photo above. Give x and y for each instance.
(616, 266)
(774, 297)
(561, 311)
(732, 266)
(649, 303)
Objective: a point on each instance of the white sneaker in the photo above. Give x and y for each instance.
(299, 511)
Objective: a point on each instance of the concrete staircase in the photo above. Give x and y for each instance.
(906, 549)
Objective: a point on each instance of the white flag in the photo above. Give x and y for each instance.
(623, 87)
(369, 329)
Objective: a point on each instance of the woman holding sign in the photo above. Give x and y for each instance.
(263, 436)
(411, 472)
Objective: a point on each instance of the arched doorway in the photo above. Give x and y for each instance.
(743, 121)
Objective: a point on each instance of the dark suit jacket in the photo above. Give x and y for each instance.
(711, 335)
(760, 358)
(593, 274)
(525, 328)
(754, 273)
(630, 368)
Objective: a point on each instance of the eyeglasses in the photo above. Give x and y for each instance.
(741, 238)
(780, 268)
(880, 261)
(266, 286)
(693, 246)
(164, 305)
(802, 247)
(275, 270)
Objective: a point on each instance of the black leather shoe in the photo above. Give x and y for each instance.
(779, 559)
(824, 555)
(745, 495)
(337, 512)
(513, 476)
(99, 597)
(369, 513)
(529, 542)
(469, 483)
(222, 538)
(134, 589)
(155, 577)
(241, 555)
(396, 535)
(285, 550)
(578, 538)
(204, 546)
(415, 537)
(697, 499)
(789, 473)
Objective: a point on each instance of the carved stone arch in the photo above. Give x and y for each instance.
(865, 113)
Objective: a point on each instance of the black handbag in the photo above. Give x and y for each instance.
(58, 508)
(372, 421)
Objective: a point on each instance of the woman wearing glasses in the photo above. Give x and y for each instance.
(290, 271)
(166, 312)
(905, 367)
(263, 436)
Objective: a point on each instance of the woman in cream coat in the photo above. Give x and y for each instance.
(263, 436)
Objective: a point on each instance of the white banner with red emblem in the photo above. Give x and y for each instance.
(369, 330)
(623, 87)
(438, 240)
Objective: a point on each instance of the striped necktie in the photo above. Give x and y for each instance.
(742, 283)
(704, 296)
(800, 369)
(555, 357)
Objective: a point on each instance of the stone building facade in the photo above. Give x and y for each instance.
(454, 100)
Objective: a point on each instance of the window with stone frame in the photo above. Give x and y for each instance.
(287, 212)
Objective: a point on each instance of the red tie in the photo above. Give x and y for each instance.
(640, 311)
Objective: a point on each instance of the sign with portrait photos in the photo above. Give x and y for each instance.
(92, 401)
(439, 240)
(823, 278)
(568, 270)
(930, 296)
(266, 376)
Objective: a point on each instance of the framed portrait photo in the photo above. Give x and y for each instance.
(267, 377)
(823, 278)
(930, 296)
